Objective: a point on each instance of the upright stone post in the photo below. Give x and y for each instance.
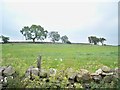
(39, 64)
(31, 78)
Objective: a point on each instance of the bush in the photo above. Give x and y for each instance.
(14, 83)
(68, 42)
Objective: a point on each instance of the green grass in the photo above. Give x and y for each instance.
(21, 56)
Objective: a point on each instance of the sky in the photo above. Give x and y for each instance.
(76, 19)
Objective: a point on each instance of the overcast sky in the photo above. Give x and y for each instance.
(77, 20)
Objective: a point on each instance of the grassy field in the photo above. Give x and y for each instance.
(60, 56)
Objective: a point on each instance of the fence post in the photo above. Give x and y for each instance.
(39, 64)
(31, 78)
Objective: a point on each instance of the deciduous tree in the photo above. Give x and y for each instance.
(93, 39)
(34, 32)
(102, 40)
(55, 36)
(64, 39)
(4, 39)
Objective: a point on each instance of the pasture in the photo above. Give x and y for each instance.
(59, 56)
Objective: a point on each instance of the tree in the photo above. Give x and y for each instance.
(4, 39)
(102, 40)
(93, 39)
(55, 36)
(34, 32)
(64, 39)
(90, 40)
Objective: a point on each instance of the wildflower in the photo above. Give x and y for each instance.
(61, 59)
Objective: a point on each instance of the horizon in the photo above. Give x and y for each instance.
(77, 20)
(43, 41)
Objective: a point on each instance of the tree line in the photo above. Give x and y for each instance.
(36, 32)
(94, 40)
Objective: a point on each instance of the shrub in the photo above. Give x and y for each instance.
(14, 83)
(68, 42)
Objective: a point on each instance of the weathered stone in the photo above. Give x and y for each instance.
(107, 74)
(30, 68)
(1, 86)
(72, 78)
(117, 70)
(78, 77)
(69, 72)
(86, 86)
(27, 74)
(99, 71)
(105, 69)
(1, 79)
(108, 79)
(71, 81)
(33, 71)
(116, 76)
(94, 74)
(96, 77)
(9, 71)
(43, 73)
(85, 75)
(2, 69)
(84, 71)
(5, 79)
(52, 72)
(39, 62)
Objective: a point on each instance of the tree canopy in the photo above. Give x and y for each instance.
(34, 32)
(64, 39)
(95, 40)
(4, 39)
(55, 36)
(102, 40)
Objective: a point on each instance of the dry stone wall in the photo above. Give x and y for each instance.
(81, 78)
(5, 73)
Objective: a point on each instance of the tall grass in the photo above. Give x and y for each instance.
(60, 56)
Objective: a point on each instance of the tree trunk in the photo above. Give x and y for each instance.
(102, 44)
(95, 43)
(53, 41)
(33, 40)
